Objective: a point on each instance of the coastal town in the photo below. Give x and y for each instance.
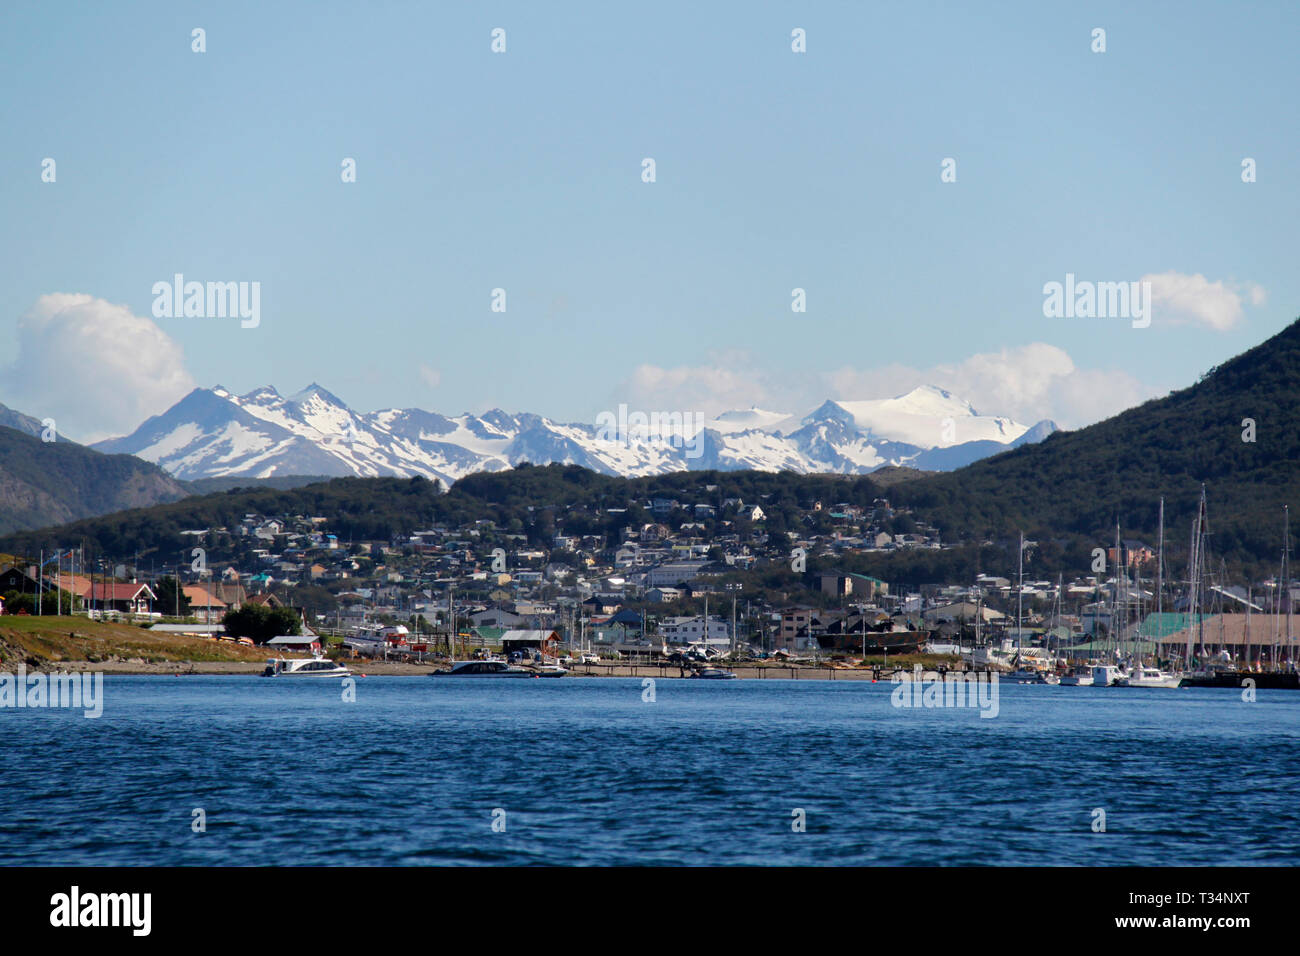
(692, 584)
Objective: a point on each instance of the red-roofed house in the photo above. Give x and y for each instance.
(125, 598)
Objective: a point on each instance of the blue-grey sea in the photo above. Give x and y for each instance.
(588, 771)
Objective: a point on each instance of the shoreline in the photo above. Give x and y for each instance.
(405, 669)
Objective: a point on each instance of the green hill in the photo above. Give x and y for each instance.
(1081, 482)
(50, 483)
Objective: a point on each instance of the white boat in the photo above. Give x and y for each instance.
(549, 670)
(375, 641)
(483, 669)
(304, 667)
(1080, 677)
(1106, 675)
(1149, 677)
(1027, 675)
(988, 657)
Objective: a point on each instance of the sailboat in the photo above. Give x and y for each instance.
(1223, 672)
(1139, 673)
(1025, 672)
(1108, 674)
(1080, 676)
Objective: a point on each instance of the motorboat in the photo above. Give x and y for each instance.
(714, 673)
(1149, 677)
(1027, 675)
(549, 670)
(317, 666)
(1106, 675)
(483, 669)
(1079, 677)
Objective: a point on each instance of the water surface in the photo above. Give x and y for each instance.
(587, 772)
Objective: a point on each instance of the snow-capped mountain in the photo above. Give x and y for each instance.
(214, 433)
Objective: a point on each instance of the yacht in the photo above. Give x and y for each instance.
(714, 673)
(483, 669)
(1031, 666)
(304, 667)
(1148, 677)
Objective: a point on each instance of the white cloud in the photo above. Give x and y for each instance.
(729, 381)
(1179, 299)
(1028, 383)
(92, 366)
(429, 376)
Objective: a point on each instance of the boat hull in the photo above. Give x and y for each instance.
(1166, 683)
(1265, 680)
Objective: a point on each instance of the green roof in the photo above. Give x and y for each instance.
(1097, 647)
(1164, 624)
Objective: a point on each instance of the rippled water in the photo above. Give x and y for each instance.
(589, 773)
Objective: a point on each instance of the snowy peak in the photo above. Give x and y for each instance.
(313, 394)
(747, 419)
(930, 400)
(830, 411)
(929, 417)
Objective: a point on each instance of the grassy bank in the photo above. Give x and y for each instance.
(48, 640)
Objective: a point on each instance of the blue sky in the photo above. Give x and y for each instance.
(522, 171)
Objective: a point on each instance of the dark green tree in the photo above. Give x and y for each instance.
(168, 593)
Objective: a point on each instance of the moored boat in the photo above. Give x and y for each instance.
(1079, 677)
(483, 669)
(1105, 675)
(1268, 680)
(714, 673)
(1148, 677)
(1028, 675)
(304, 667)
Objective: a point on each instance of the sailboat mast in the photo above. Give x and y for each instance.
(1116, 630)
(1160, 566)
(1020, 592)
(1286, 573)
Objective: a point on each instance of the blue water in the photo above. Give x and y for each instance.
(588, 773)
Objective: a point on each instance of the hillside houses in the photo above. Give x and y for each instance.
(632, 574)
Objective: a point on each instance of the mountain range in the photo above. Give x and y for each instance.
(1236, 432)
(214, 433)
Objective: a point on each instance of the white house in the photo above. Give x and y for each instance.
(691, 630)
